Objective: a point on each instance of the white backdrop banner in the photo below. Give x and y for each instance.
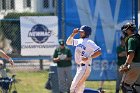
(39, 35)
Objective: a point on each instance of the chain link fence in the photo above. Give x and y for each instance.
(10, 42)
(10, 36)
(10, 39)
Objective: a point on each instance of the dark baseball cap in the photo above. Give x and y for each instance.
(61, 41)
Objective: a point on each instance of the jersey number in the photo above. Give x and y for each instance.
(83, 52)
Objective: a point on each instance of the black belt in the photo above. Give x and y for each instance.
(82, 64)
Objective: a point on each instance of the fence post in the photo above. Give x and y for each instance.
(41, 64)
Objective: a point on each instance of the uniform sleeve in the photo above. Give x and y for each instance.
(75, 42)
(55, 54)
(131, 45)
(94, 47)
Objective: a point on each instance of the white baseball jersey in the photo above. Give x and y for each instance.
(84, 48)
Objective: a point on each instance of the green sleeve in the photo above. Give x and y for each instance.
(55, 55)
(131, 45)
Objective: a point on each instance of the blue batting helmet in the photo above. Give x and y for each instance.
(86, 29)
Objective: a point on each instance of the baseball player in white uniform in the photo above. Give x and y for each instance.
(85, 50)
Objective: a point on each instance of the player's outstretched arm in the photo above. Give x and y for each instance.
(70, 38)
(5, 56)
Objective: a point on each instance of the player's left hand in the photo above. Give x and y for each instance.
(84, 58)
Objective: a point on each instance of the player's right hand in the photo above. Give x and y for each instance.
(75, 31)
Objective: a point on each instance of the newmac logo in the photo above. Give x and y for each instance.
(39, 33)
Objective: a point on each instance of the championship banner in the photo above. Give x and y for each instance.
(39, 35)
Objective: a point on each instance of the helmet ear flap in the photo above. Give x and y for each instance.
(88, 32)
(133, 27)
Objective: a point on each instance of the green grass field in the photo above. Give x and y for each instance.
(33, 82)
